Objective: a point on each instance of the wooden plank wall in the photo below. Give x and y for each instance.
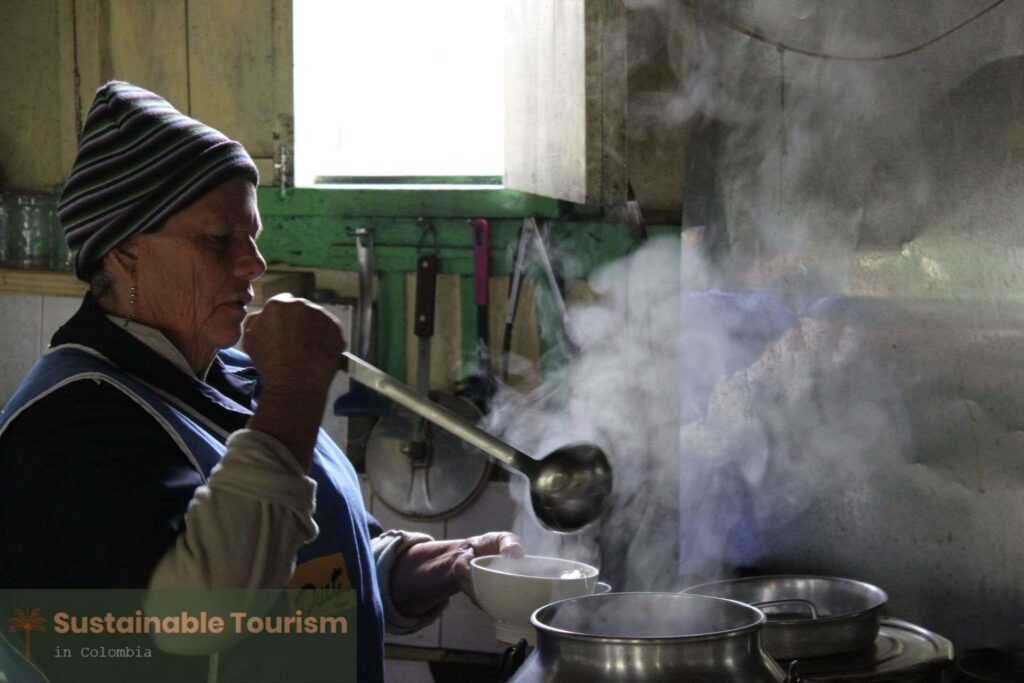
(142, 42)
(545, 106)
(229, 68)
(587, 83)
(34, 109)
(655, 128)
(240, 73)
(605, 37)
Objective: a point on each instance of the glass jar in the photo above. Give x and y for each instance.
(30, 231)
(60, 255)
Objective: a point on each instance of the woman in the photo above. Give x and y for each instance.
(133, 455)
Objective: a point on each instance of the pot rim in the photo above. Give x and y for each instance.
(882, 598)
(746, 629)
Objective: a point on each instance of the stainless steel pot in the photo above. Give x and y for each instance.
(807, 616)
(648, 637)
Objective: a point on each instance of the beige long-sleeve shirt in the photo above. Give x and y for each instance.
(244, 527)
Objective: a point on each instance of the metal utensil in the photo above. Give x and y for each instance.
(555, 285)
(808, 616)
(515, 286)
(418, 471)
(480, 386)
(568, 487)
(361, 406)
(359, 403)
(530, 235)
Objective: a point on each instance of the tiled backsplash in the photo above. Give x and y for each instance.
(27, 321)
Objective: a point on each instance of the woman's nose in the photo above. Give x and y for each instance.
(250, 263)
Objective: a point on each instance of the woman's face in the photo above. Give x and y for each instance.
(195, 274)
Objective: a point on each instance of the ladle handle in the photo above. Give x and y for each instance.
(386, 385)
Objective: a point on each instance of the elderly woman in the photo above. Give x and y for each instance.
(134, 455)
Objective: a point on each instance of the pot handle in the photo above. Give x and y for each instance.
(796, 602)
(793, 674)
(511, 660)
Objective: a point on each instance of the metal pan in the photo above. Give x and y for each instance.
(807, 616)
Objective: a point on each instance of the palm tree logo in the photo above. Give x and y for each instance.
(27, 622)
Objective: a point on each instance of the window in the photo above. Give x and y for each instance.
(399, 91)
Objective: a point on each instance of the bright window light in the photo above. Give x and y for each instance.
(398, 88)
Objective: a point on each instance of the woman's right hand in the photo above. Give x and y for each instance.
(294, 343)
(296, 346)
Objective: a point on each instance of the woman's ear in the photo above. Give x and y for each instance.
(125, 256)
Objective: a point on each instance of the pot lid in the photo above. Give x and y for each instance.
(901, 649)
(422, 471)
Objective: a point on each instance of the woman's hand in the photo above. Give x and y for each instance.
(296, 346)
(429, 573)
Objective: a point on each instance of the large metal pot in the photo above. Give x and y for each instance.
(648, 637)
(808, 616)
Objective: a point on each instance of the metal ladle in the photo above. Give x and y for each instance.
(568, 487)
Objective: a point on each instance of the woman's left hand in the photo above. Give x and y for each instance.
(429, 573)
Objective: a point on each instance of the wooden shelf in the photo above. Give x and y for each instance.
(46, 282)
(60, 283)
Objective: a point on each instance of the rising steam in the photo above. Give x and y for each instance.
(837, 391)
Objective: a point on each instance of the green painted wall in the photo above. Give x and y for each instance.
(314, 227)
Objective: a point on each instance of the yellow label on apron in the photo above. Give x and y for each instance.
(321, 586)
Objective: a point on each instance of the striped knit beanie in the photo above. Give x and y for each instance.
(139, 161)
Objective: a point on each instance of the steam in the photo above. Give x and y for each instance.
(798, 401)
(600, 396)
(720, 411)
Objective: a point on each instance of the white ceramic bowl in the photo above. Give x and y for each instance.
(510, 589)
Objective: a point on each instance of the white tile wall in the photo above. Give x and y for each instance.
(20, 317)
(493, 510)
(56, 311)
(463, 625)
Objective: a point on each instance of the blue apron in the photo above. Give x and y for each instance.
(339, 558)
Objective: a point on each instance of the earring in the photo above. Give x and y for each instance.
(131, 298)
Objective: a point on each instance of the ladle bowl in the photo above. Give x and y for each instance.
(568, 488)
